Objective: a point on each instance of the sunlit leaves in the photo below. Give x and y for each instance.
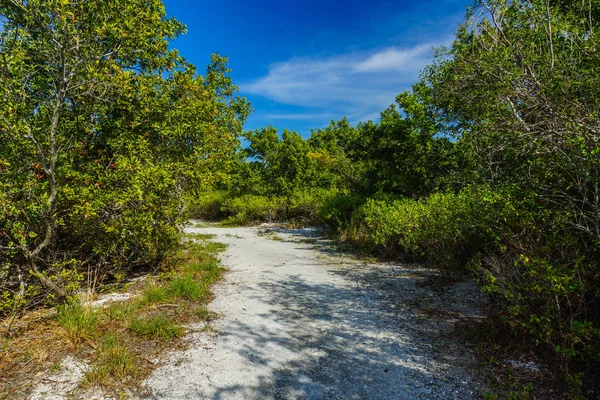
(103, 127)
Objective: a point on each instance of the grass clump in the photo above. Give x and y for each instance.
(186, 287)
(156, 327)
(119, 311)
(79, 321)
(210, 265)
(118, 335)
(204, 314)
(207, 270)
(201, 236)
(154, 294)
(205, 247)
(114, 362)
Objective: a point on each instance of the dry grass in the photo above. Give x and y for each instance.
(120, 341)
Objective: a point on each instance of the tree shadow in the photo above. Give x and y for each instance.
(366, 337)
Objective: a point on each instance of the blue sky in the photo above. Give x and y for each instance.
(302, 64)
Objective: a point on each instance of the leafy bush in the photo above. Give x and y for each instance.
(248, 209)
(542, 279)
(298, 207)
(207, 206)
(303, 207)
(101, 194)
(448, 229)
(544, 286)
(337, 210)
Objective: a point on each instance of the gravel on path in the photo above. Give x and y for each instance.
(301, 320)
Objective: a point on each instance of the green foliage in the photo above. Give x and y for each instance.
(448, 229)
(156, 327)
(517, 87)
(104, 128)
(186, 287)
(207, 206)
(210, 266)
(154, 294)
(79, 321)
(403, 153)
(489, 165)
(541, 282)
(248, 209)
(298, 207)
(191, 279)
(277, 167)
(113, 362)
(302, 207)
(546, 291)
(337, 211)
(120, 311)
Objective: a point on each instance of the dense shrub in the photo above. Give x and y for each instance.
(338, 209)
(249, 208)
(303, 207)
(99, 144)
(300, 207)
(448, 229)
(207, 206)
(544, 284)
(541, 278)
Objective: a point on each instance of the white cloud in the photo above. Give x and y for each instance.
(300, 116)
(358, 85)
(396, 59)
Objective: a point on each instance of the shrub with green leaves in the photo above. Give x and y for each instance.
(207, 206)
(100, 142)
(337, 210)
(446, 228)
(250, 208)
(528, 260)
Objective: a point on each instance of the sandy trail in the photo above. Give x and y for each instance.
(301, 320)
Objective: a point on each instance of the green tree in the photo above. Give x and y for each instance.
(334, 148)
(519, 87)
(519, 84)
(102, 128)
(283, 165)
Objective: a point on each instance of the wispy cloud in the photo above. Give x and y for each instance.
(358, 85)
(396, 59)
(300, 116)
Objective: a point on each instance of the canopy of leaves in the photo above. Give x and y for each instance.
(103, 127)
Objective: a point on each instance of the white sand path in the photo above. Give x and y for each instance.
(300, 320)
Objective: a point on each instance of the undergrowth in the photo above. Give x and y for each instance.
(119, 338)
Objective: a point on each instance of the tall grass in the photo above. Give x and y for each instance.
(114, 361)
(156, 327)
(78, 321)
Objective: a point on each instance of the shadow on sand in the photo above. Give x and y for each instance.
(366, 338)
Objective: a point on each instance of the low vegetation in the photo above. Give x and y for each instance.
(118, 340)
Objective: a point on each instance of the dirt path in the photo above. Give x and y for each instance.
(303, 321)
